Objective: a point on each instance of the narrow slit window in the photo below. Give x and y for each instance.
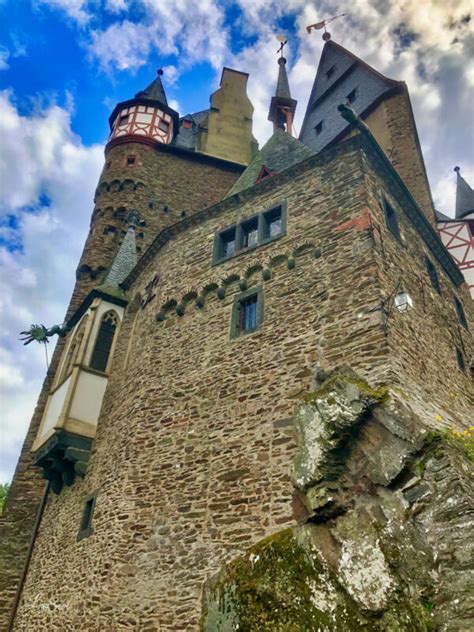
(434, 279)
(250, 233)
(319, 128)
(85, 528)
(130, 161)
(104, 341)
(460, 312)
(392, 221)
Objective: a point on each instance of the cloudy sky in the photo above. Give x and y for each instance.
(64, 64)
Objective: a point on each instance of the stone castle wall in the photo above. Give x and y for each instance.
(192, 457)
(157, 180)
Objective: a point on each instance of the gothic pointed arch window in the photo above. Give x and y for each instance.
(104, 342)
(72, 354)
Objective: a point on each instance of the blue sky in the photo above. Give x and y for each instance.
(64, 64)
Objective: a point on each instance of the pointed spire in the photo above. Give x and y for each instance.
(282, 106)
(464, 196)
(155, 91)
(126, 257)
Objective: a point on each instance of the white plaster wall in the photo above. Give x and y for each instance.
(55, 406)
(88, 396)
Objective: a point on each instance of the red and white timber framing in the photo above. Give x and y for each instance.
(458, 237)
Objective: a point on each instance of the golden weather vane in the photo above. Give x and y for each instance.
(322, 25)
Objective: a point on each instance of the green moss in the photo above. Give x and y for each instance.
(271, 589)
(337, 380)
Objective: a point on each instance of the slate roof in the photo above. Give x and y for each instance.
(280, 152)
(283, 87)
(186, 138)
(464, 197)
(124, 262)
(347, 73)
(441, 217)
(155, 91)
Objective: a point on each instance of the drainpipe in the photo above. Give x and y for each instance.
(19, 590)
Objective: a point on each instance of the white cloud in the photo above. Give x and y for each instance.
(75, 9)
(41, 158)
(4, 56)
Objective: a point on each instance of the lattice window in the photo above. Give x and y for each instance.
(104, 341)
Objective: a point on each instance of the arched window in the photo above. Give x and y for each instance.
(103, 343)
(73, 349)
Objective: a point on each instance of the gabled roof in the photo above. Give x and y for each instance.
(464, 196)
(186, 138)
(339, 73)
(280, 152)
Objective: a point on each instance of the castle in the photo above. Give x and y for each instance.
(217, 280)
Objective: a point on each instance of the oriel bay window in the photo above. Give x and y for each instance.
(250, 233)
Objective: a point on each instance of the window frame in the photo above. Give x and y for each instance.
(235, 331)
(263, 237)
(393, 227)
(112, 344)
(86, 530)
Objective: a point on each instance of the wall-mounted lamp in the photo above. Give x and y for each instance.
(398, 299)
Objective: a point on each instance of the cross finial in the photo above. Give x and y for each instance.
(283, 42)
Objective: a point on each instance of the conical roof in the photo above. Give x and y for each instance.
(155, 91)
(125, 259)
(464, 196)
(283, 87)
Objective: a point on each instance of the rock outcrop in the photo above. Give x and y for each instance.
(384, 535)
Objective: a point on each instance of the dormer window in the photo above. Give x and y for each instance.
(330, 72)
(319, 128)
(187, 124)
(352, 96)
(264, 173)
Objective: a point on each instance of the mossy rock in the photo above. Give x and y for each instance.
(281, 586)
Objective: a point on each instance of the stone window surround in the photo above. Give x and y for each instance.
(234, 323)
(86, 530)
(261, 240)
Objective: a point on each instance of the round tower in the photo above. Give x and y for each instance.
(146, 170)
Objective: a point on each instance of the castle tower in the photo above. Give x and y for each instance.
(383, 104)
(282, 106)
(234, 313)
(457, 233)
(149, 168)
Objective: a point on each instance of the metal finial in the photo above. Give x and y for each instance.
(159, 71)
(283, 41)
(457, 169)
(322, 25)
